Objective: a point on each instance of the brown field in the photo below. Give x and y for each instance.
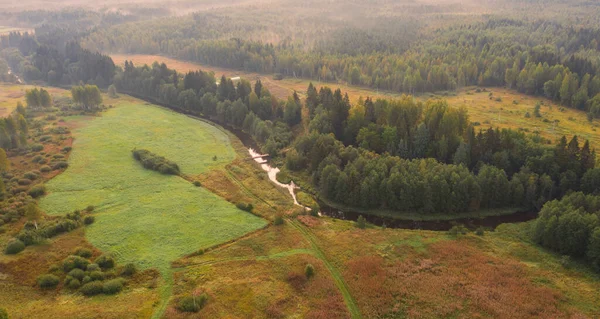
(389, 273)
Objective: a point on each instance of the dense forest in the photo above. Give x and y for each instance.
(541, 57)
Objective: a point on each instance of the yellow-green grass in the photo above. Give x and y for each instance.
(261, 276)
(142, 216)
(510, 113)
(10, 94)
(20, 296)
(6, 29)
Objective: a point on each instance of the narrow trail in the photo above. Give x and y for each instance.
(282, 254)
(335, 273)
(166, 291)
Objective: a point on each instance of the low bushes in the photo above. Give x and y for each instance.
(48, 281)
(309, 271)
(73, 262)
(155, 162)
(14, 247)
(92, 288)
(88, 220)
(60, 165)
(245, 207)
(192, 303)
(113, 286)
(105, 262)
(83, 252)
(37, 191)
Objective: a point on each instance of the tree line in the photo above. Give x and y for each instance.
(571, 227)
(540, 58)
(240, 105)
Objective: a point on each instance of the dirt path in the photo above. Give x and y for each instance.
(335, 273)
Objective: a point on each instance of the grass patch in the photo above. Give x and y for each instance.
(144, 217)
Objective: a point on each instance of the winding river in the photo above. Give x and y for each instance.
(489, 222)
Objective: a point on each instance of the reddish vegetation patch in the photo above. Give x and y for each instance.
(453, 278)
(25, 267)
(309, 221)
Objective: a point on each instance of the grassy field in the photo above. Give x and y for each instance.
(389, 274)
(5, 30)
(142, 216)
(510, 112)
(11, 94)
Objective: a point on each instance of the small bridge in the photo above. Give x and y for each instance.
(260, 156)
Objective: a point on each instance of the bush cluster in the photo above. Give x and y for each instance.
(192, 303)
(48, 281)
(155, 162)
(14, 247)
(245, 207)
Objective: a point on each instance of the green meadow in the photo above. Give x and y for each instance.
(143, 216)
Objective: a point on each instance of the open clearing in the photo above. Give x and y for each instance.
(5, 30)
(11, 94)
(390, 273)
(142, 216)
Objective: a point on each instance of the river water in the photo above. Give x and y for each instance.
(272, 172)
(490, 222)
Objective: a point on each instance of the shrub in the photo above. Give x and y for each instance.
(88, 220)
(30, 175)
(458, 230)
(73, 262)
(192, 303)
(56, 227)
(3, 313)
(29, 237)
(93, 267)
(278, 220)
(479, 231)
(14, 247)
(197, 183)
(113, 286)
(45, 169)
(361, 222)
(77, 273)
(90, 208)
(92, 288)
(37, 191)
(245, 207)
(24, 181)
(105, 262)
(128, 270)
(566, 261)
(47, 281)
(97, 275)
(83, 252)
(37, 147)
(67, 149)
(46, 138)
(309, 271)
(155, 162)
(86, 279)
(74, 283)
(60, 165)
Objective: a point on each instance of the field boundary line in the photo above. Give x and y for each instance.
(335, 273)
